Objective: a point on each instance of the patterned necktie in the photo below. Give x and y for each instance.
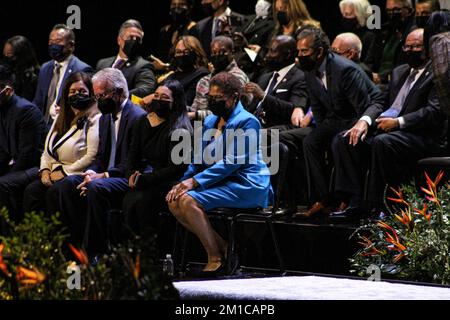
(119, 63)
(270, 88)
(112, 158)
(397, 106)
(51, 95)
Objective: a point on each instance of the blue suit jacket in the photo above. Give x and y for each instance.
(244, 168)
(130, 114)
(46, 75)
(22, 134)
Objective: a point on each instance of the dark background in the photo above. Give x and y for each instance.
(100, 21)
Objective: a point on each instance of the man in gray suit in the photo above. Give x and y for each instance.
(137, 71)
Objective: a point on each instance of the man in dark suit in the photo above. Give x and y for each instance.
(103, 185)
(220, 19)
(411, 127)
(54, 72)
(137, 70)
(340, 94)
(260, 26)
(22, 133)
(281, 102)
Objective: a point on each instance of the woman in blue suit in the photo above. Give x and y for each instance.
(230, 172)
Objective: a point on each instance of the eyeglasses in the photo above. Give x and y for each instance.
(103, 95)
(414, 47)
(336, 51)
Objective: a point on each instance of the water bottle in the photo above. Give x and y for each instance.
(168, 265)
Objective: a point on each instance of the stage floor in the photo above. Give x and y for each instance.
(307, 288)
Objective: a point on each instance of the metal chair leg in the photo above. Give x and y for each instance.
(276, 246)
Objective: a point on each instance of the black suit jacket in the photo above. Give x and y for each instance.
(421, 110)
(350, 94)
(279, 104)
(203, 29)
(257, 30)
(22, 134)
(138, 72)
(130, 114)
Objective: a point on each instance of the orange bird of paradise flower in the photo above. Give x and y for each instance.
(400, 198)
(137, 267)
(29, 277)
(405, 218)
(423, 213)
(80, 255)
(3, 266)
(431, 192)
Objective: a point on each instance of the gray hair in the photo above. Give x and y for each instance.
(362, 9)
(114, 79)
(353, 41)
(131, 23)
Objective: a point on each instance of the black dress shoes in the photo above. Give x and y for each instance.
(350, 213)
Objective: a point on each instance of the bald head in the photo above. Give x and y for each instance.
(282, 52)
(416, 36)
(348, 45)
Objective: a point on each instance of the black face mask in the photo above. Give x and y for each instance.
(395, 21)
(180, 16)
(415, 59)
(221, 62)
(56, 51)
(107, 105)
(10, 61)
(421, 21)
(349, 25)
(185, 62)
(79, 101)
(275, 64)
(131, 48)
(306, 63)
(161, 108)
(283, 18)
(219, 108)
(208, 9)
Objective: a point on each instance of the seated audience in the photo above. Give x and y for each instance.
(19, 54)
(22, 134)
(70, 146)
(340, 94)
(424, 9)
(354, 19)
(222, 59)
(236, 179)
(190, 64)
(388, 52)
(260, 26)
(151, 171)
(137, 71)
(53, 74)
(86, 198)
(411, 127)
(219, 19)
(181, 24)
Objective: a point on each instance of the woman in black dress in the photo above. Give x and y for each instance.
(151, 171)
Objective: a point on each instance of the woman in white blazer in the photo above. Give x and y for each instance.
(71, 144)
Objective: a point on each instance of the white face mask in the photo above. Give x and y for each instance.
(262, 8)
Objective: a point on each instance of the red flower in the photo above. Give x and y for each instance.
(400, 199)
(431, 192)
(3, 266)
(137, 268)
(80, 255)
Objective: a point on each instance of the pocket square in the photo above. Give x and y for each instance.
(281, 90)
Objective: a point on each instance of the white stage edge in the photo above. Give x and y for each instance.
(307, 288)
